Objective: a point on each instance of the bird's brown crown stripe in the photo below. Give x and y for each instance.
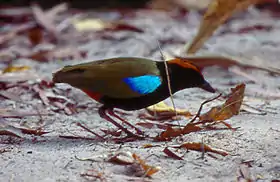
(184, 64)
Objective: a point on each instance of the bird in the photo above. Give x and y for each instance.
(131, 83)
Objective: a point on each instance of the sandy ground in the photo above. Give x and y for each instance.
(50, 158)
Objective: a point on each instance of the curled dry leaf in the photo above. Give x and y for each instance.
(149, 170)
(217, 13)
(100, 25)
(201, 147)
(162, 110)
(127, 158)
(122, 158)
(230, 108)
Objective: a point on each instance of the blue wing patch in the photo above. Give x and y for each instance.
(143, 84)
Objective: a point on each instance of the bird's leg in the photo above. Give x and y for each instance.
(102, 113)
(112, 113)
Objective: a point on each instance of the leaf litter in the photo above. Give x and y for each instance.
(127, 158)
(45, 92)
(208, 121)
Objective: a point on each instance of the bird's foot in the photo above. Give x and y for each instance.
(102, 112)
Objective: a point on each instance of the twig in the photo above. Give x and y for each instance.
(85, 128)
(168, 78)
(201, 106)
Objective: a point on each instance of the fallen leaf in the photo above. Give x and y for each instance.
(100, 25)
(230, 108)
(201, 147)
(161, 109)
(171, 154)
(10, 69)
(122, 158)
(204, 125)
(169, 133)
(217, 13)
(9, 95)
(35, 35)
(149, 170)
(6, 113)
(44, 20)
(149, 146)
(7, 129)
(41, 94)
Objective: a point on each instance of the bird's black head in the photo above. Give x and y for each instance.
(184, 74)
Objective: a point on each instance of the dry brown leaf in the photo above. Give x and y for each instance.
(149, 170)
(122, 158)
(201, 147)
(171, 154)
(35, 35)
(217, 13)
(169, 133)
(230, 108)
(204, 125)
(145, 146)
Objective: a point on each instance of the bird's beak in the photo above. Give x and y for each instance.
(206, 86)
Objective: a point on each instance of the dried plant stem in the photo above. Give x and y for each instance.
(168, 79)
(201, 106)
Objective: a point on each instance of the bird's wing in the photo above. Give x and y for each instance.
(116, 77)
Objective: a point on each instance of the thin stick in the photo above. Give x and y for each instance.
(88, 130)
(168, 78)
(201, 106)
